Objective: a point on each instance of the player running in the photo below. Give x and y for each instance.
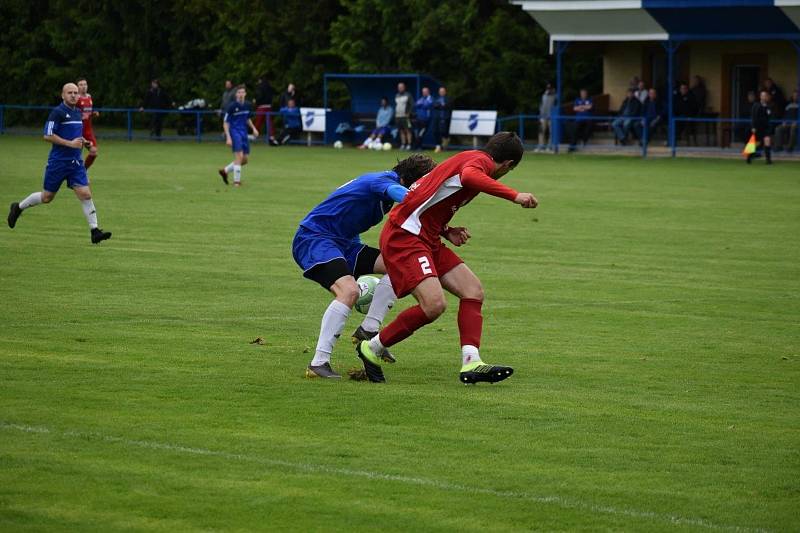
(236, 121)
(328, 248)
(420, 264)
(64, 130)
(87, 112)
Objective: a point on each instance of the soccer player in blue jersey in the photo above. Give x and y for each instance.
(64, 129)
(328, 248)
(237, 120)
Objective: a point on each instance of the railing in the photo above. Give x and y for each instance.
(730, 135)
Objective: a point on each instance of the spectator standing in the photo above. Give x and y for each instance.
(583, 126)
(402, 115)
(545, 113)
(786, 133)
(292, 121)
(156, 98)
(685, 106)
(641, 92)
(776, 97)
(442, 110)
(422, 116)
(265, 94)
(289, 94)
(700, 93)
(382, 121)
(228, 95)
(761, 127)
(630, 109)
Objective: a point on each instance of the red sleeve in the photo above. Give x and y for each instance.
(474, 176)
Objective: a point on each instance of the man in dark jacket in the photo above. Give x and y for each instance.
(762, 114)
(624, 123)
(685, 106)
(156, 98)
(442, 109)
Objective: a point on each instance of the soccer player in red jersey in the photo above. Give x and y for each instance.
(418, 262)
(85, 107)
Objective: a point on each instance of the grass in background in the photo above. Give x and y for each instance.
(650, 309)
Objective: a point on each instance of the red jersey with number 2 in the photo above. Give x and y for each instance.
(433, 199)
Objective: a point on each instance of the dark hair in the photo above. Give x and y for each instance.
(413, 168)
(80, 79)
(240, 86)
(504, 146)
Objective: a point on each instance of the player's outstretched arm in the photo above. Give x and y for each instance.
(526, 199)
(252, 127)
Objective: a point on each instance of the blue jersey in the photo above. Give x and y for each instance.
(65, 122)
(237, 116)
(356, 206)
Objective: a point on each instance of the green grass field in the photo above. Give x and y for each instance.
(650, 309)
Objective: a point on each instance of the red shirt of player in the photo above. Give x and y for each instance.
(433, 200)
(85, 106)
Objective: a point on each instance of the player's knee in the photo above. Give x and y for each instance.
(47, 197)
(434, 308)
(346, 291)
(474, 292)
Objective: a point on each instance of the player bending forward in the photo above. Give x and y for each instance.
(85, 105)
(420, 264)
(237, 120)
(64, 130)
(328, 248)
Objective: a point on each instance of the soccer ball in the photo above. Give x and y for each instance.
(338, 145)
(366, 289)
(387, 147)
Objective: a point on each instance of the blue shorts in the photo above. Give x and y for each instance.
(310, 249)
(72, 171)
(240, 142)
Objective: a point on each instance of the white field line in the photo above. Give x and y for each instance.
(407, 480)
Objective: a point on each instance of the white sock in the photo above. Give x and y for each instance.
(89, 212)
(382, 301)
(229, 168)
(332, 325)
(376, 345)
(30, 201)
(469, 354)
(237, 173)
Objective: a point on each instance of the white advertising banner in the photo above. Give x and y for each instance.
(476, 123)
(313, 119)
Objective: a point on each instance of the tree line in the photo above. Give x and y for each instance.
(490, 54)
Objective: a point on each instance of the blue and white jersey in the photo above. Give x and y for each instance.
(356, 206)
(237, 116)
(65, 122)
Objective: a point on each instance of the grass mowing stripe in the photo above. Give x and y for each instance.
(372, 475)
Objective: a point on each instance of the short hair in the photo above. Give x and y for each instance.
(80, 79)
(241, 86)
(413, 168)
(504, 146)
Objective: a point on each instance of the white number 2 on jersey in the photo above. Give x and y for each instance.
(425, 265)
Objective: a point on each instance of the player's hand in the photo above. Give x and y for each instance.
(526, 199)
(87, 144)
(457, 235)
(228, 141)
(77, 142)
(255, 132)
(753, 130)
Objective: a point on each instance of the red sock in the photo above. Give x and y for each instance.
(89, 160)
(404, 325)
(470, 322)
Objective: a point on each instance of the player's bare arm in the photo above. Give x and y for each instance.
(226, 128)
(77, 142)
(252, 127)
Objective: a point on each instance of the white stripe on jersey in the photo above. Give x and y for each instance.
(242, 112)
(226, 118)
(49, 129)
(449, 187)
(73, 122)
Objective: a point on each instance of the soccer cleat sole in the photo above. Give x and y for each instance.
(374, 372)
(310, 374)
(495, 374)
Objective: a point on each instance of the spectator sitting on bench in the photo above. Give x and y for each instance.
(624, 124)
(654, 113)
(382, 121)
(292, 121)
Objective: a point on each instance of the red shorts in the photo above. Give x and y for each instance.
(409, 259)
(88, 134)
